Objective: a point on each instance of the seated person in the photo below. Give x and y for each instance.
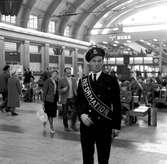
(126, 97)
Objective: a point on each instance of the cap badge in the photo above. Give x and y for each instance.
(95, 51)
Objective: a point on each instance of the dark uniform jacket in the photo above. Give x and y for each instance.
(107, 90)
(4, 82)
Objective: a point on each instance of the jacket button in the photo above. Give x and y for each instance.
(98, 118)
(90, 111)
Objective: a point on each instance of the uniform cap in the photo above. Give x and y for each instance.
(95, 51)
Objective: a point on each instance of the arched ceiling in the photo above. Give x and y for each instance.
(80, 15)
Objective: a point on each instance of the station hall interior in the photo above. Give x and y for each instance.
(46, 35)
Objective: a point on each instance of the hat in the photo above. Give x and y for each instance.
(6, 67)
(95, 51)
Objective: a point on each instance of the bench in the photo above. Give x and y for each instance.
(140, 111)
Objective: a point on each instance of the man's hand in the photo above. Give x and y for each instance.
(86, 120)
(115, 133)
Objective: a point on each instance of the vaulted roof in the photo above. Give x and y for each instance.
(80, 15)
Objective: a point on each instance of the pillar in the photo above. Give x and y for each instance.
(86, 67)
(25, 54)
(2, 53)
(74, 61)
(160, 57)
(45, 57)
(61, 62)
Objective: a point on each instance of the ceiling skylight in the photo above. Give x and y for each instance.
(149, 16)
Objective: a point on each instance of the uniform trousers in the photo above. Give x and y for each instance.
(97, 134)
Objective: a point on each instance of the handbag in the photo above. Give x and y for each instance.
(41, 115)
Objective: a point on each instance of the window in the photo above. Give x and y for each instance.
(119, 60)
(51, 28)
(33, 22)
(10, 46)
(67, 52)
(34, 49)
(154, 15)
(51, 52)
(67, 31)
(8, 19)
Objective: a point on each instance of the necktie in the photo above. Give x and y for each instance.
(94, 77)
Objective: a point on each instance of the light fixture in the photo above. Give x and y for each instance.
(115, 45)
(129, 41)
(104, 42)
(116, 41)
(155, 40)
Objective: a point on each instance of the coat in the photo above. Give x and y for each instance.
(48, 91)
(63, 83)
(107, 90)
(4, 82)
(14, 91)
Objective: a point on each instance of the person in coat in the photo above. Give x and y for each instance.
(14, 92)
(4, 87)
(99, 109)
(50, 98)
(68, 92)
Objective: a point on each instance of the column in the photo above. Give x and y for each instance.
(86, 67)
(2, 53)
(61, 62)
(160, 57)
(74, 61)
(25, 54)
(45, 57)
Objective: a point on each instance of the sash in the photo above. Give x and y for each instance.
(94, 101)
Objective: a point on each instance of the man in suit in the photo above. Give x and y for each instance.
(99, 109)
(4, 87)
(68, 91)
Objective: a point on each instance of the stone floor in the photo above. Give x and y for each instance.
(23, 141)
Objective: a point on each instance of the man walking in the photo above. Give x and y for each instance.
(68, 91)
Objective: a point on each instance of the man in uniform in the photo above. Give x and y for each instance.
(99, 109)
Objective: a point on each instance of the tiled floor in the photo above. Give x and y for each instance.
(23, 141)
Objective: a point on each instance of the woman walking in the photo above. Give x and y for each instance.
(50, 96)
(14, 91)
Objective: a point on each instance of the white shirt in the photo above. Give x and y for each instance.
(97, 75)
(70, 95)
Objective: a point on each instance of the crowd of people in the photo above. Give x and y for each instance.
(97, 100)
(142, 90)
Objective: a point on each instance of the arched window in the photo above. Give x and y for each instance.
(67, 31)
(51, 27)
(33, 22)
(8, 19)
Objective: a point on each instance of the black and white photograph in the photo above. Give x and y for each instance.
(83, 82)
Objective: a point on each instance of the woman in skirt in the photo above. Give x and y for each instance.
(50, 97)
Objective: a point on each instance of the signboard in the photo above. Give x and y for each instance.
(17, 68)
(126, 59)
(120, 37)
(123, 72)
